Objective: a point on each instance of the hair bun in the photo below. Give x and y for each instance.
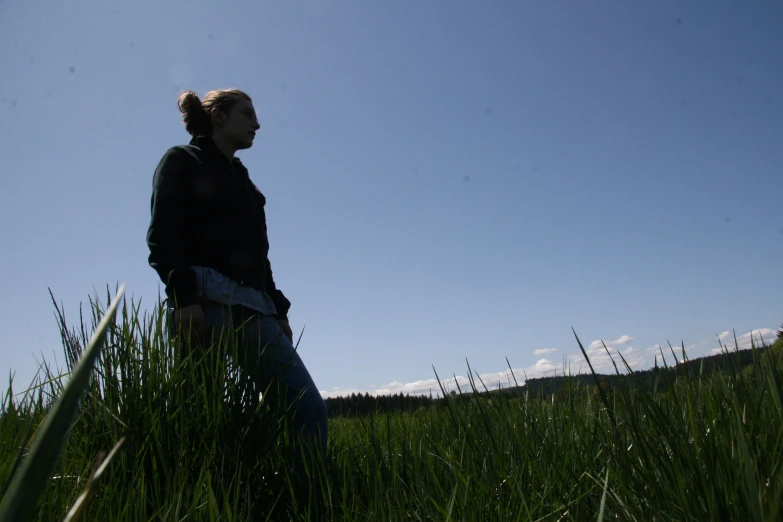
(188, 101)
(194, 116)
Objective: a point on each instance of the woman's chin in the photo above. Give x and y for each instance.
(246, 144)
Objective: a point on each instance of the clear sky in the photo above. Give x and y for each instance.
(447, 181)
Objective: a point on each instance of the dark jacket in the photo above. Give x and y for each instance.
(207, 212)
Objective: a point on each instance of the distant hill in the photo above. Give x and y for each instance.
(656, 378)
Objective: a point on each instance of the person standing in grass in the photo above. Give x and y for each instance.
(208, 242)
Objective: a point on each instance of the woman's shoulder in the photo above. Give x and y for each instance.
(185, 149)
(182, 155)
(176, 163)
(176, 151)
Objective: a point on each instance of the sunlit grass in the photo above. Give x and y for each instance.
(702, 449)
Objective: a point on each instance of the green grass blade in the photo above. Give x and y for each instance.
(603, 498)
(21, 498)
(76, 512)
(609, 409)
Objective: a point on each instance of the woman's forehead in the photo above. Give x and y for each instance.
(244, 103)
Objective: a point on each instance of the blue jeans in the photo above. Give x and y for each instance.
(273, 365)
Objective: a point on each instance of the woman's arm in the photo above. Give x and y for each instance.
(167, 232)
(282, 304)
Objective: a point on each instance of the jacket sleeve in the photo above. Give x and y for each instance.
(282, 304)
(167, 233)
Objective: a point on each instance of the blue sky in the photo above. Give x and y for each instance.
(446, 181)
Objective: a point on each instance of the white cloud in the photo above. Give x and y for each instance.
(544, 365)
(746, 341)
(767, 335)
(654, 352)
(544, 351)
(623, 339)
(602, 361)
(504, 379)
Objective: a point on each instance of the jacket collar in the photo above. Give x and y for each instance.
(207, 144)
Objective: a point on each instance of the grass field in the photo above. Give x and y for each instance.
(703, 449)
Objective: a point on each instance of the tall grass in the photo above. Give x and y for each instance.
(702, 449)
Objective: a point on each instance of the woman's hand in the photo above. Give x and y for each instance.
(286, 329)
(191, 317)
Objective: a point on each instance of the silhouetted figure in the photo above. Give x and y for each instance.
(208, 243)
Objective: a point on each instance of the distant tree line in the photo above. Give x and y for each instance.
(362, 404)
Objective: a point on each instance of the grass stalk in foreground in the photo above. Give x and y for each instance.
(33, 470)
